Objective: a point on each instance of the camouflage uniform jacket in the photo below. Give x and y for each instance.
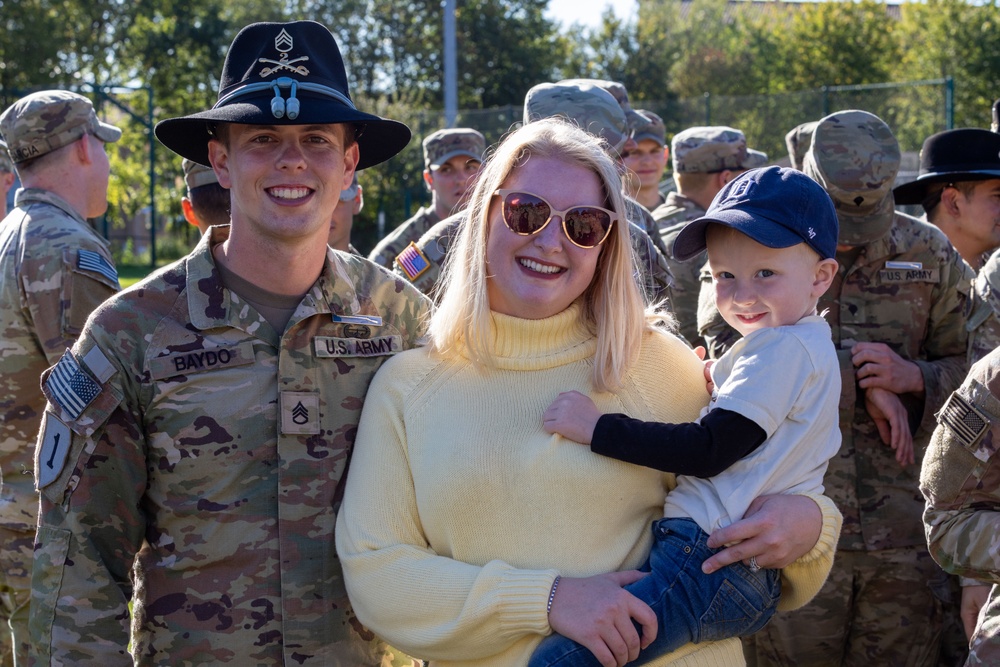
(54, 270)
(920, 314)
(671, 218)
(961, 482)
(984, 322)
(654, 276)
(214, 450)
(385, 251)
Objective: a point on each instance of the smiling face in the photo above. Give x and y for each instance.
(757, 287)
(538, 276)
(285, 180)
(647, 161)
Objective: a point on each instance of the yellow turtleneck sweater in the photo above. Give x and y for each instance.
(460, 510)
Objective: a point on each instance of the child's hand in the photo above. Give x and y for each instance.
(709, 385)
(573, 416)
(893, 424)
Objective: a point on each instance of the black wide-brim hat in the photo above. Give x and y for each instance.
(284, 74)
(967, 154)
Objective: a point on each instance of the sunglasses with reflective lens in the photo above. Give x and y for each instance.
(526, 214)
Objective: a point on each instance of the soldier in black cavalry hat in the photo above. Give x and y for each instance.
(202, 424)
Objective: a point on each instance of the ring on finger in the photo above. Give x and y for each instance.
(754, 567)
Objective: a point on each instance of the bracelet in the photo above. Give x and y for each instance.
(552, 594)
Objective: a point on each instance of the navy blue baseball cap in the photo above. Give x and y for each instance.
(775, 206)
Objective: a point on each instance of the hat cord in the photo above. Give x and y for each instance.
(279, 106)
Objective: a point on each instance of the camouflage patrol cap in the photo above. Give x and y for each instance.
(855, 157)
(44, 121)
(6, 165)
(707, 150)
(636, 121)
(653, 129)
(798, 140)
(197, 175)
(441, 146)
(591, 107)
(754, 159)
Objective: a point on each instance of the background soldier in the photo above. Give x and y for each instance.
(207, 202)
(797, 142)
(589, 104)
(958, 186)
(960, 480)
(197, 435)
(704, 159)
(7, 177)
(897, 309)
(452, 159)
(647, 161)
(54, 270)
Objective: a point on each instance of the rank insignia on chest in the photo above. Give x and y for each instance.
(413, 262)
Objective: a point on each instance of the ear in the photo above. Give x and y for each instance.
(351, 157)
(666, 153)
(359, 201)
(826, 271)
(218, 155)
(428, 179)
(724, 177)
(189, 213)
(82, 149)
(950, 203)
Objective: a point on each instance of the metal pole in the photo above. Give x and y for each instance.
(949, 103)
(152, 184)
(450, 65)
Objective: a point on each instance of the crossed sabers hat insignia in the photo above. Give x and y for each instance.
(283, 43)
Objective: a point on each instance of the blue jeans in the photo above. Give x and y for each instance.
(690, 606)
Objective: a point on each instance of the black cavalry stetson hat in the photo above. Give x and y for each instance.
(284, 74)
(968, 154)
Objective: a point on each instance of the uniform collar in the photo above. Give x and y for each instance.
(25, 196)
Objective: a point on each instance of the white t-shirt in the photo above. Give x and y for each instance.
(786, 380)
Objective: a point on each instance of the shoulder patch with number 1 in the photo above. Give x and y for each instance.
(52, 451)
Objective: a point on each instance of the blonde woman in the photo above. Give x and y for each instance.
(467, 533)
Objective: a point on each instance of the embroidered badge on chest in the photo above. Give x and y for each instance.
(299, 413)
(53, 450)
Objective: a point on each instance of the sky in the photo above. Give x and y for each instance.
(588, 12)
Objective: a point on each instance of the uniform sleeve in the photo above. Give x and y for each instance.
(91, 473)
(944, 363)
(801, 581)
(60, 288)
(960, 480)
(425, 604)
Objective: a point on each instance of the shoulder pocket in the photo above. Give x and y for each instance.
(89, 280)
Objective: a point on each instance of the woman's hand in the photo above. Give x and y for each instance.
(777, 530)
(597, 613)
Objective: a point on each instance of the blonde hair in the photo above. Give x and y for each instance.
(612, 304)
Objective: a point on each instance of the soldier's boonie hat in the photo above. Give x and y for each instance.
(855, 157)
(775, 206)
(590, 107)
(968, 154)
(441, 146)
(352, 191)
(41, 122)
(707, 150)
(754, 159)
(5, 164)
(284, 74)
(197, 175)
(653, 129)
(798, 140)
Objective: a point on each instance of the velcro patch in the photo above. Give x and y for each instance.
(299, 413)
(52, 450)
(70, 386)
(88, 260)
(412, 261)
(909, 276)
(965, 421)
(380, 346)
(201, 361)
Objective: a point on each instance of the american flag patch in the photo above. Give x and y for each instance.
(70, 386)
(413, 261)
(964, 420)
(88, 260)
